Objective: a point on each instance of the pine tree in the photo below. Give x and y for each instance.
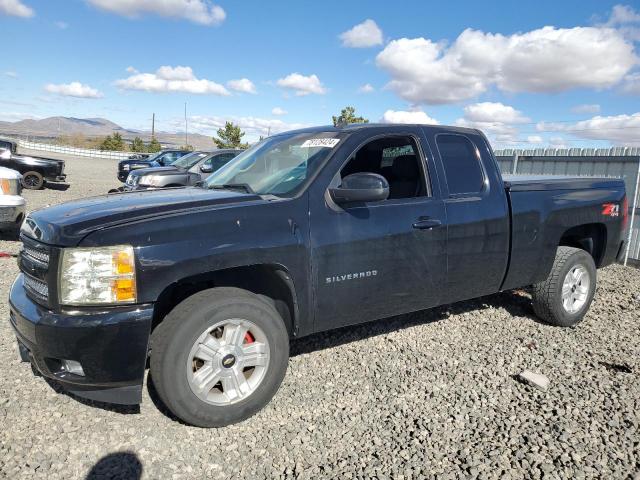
(348, 115)
(230, 137)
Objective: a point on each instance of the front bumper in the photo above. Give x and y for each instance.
(110, 344)
(12, 210)
(56, 178)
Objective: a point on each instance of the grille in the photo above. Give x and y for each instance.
(37, 255)
(34, 260)
(36, 287)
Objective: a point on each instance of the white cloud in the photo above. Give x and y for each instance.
(10, 74)
(534, 139)
(399, 116)
(493, 112)
(202, 12)
(617, 129)
(586, 108)
(15, 116)
(253, 126)
(498, 121)
(302, 85)
(559, 142)
(548, 59)
(366, 88)
(131, 69)
(631, 84)
(62, 25)
(365, 34)
(171, 79)
(243, 85)
(621, 15)
(278, 111)
(626, 20)
(15, 8)
(73, 89)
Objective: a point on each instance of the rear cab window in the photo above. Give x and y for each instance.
(461, 163)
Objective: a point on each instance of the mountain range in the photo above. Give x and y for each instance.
(53, 127)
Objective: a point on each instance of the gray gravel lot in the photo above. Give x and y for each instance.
(426, 395)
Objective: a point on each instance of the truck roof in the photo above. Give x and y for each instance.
(380, 126)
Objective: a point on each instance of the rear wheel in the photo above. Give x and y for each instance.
(219, 356)
(32, 180)
(563, 299)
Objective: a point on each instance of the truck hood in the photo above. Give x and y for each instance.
(68, 223)
(156, 171)
(37, 161)
(128, 161)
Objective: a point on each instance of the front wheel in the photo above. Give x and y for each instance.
(563, 299)
(32, 180)
(219, 356)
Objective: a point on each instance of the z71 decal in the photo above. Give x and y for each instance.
(611, 209)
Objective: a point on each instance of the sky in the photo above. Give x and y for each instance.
(529, 74)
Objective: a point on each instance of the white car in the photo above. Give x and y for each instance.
(12, 205)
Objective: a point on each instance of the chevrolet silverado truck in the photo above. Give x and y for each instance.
(160, 159)
(185, 172)
(306, 231)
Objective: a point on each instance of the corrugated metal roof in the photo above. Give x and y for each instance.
(571, 152)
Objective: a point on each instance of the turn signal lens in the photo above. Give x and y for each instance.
(5, 185)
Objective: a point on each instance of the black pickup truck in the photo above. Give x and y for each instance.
(36, 171)
(307, 231)
(160, 159)
(184, 172)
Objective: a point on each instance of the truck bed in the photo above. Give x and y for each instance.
(529, 183)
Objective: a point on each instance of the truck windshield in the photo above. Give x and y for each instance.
(189, 160)
(277, 165)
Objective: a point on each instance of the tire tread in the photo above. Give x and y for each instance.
(545, 293)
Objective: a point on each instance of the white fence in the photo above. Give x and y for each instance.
(78, 152)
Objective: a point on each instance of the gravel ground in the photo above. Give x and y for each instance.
(426, 395)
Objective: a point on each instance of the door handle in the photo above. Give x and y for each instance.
(425, 223)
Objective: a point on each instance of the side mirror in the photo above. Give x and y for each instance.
(204, 168)
(361, 187)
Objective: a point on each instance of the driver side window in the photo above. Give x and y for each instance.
(397, 159)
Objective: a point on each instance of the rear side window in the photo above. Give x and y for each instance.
(219, 161)
(461, 164)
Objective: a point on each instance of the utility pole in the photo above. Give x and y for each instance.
(153, 126)
(186, 135)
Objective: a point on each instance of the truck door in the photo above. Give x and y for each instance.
(377, 259)
(477, 215)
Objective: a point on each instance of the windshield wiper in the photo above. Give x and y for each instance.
(233, 186)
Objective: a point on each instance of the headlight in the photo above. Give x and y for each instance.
(101, 275)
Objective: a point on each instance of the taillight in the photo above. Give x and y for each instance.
(625, 213)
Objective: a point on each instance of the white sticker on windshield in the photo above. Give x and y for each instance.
(320, 142)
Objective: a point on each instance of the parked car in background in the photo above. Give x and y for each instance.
(139, 156)
(184, 172)
(12, 205)
(8, 145)
(160, 159)
(37, 172)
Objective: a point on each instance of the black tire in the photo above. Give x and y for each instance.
(547, 295)
(32, 180)
(173, 339)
